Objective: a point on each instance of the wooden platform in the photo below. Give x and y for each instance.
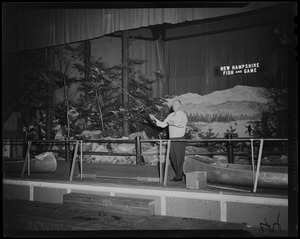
(122, 174)
(209, 204)
(20, 215)
(134, 206)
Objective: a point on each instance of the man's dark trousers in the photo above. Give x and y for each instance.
(177, 153)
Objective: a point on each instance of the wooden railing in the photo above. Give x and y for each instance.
(46, 145)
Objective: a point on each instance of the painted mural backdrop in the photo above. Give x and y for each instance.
(234, 108)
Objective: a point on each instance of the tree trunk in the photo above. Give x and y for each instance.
(49, 110)
(125, 56)
(86, 54)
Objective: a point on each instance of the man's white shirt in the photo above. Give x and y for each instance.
(180, 120)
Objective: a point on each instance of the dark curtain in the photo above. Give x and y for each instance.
(25, 28)
(190, 62)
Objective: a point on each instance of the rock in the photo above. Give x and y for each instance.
(151, 159)
(142, 134)
(87, 134)
(60, 159)
(151, 156)
(102, 159)
(97, 134)
(86, 146)
(59, 136)
(195, 150)
(284, 157)
(99, 148)
(94, 146)
(41, 156)
(73, 114)
(111, 159)
(124, 148)
(113, 146)
(87, 158)
(220, 158)
(80, 123)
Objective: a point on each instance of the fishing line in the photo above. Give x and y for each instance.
(25, 93)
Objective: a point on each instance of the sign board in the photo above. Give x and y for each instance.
(238, 69)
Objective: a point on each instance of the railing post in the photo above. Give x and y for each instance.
(10, 148)
(138, 150)
(167, 162)
(81, 159)
(67, 149)
(258, 164)
(252, 160)
(74, 160)
(27, 157)
(230, 150)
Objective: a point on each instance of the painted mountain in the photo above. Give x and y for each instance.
(236, 107)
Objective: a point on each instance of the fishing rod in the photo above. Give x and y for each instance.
(16, 102)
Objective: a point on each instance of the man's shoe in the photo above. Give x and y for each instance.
(176, 179)
(173, 179)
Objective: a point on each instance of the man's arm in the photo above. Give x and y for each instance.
(159, 123)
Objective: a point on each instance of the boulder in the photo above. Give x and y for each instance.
(151, 156)
(99, 148)
(142, 134)
(124, 148)
(111, 159)
(87, 134)
(97, 134)
(220, 158)
(196, 150)
(86, 146)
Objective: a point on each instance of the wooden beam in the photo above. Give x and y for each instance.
(119, 35)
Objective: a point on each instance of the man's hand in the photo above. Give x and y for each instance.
(152, 117)
(171, 122)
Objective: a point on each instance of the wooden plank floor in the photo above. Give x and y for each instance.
(27, 218)
(90, 220)
(28, 215)
(120, 174)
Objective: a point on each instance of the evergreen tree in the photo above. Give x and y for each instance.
(101, 100)
(104, 105)
(273, 119)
